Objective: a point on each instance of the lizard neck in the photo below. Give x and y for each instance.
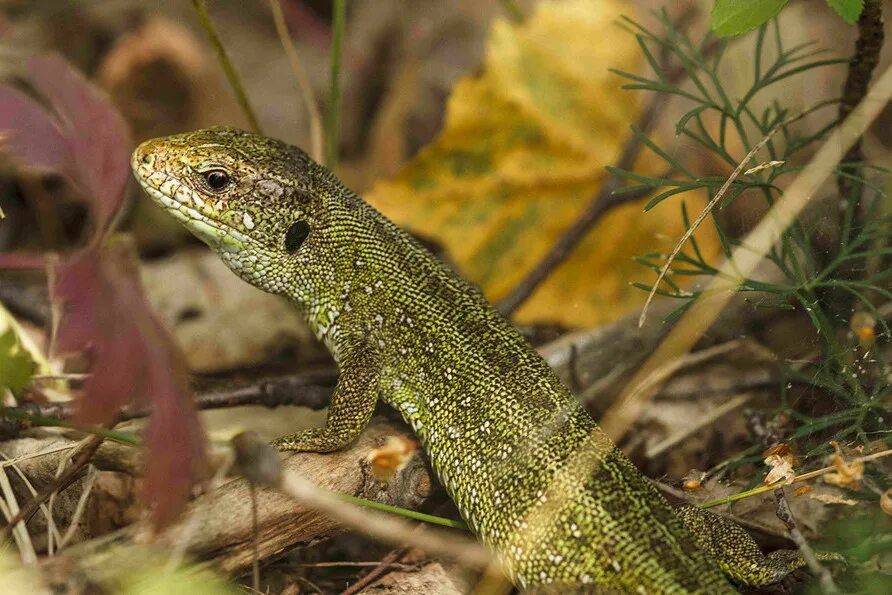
(347, 281)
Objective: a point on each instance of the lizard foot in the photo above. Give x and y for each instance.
(314, 440)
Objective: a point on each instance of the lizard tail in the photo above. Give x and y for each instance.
(737, 554)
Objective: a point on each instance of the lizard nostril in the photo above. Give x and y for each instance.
(147, 159)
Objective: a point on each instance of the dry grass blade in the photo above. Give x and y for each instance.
(746, 257)
(303, 81)
(9, 506)
(232, 75)
(383, 527)
(81, 507)
(51, 528)
(702, 422)
(719, 196)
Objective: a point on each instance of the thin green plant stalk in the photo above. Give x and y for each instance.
(128, 438)
(232, 75)
(805, 476)
(403, 512)
(332, 120)
(317, 144)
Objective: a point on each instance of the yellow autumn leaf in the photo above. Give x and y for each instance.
(523, 150)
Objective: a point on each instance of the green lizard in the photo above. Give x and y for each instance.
(531, 473)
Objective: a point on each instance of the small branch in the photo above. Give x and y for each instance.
(303, 81)
(604, 201)
(309, 389)
(786, 516)
(332, 114)
(864, 61)
(232, 75)
(37, 419)
(386, 563)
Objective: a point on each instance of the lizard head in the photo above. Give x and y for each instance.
(254, 200)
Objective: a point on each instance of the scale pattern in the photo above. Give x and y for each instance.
(530, 471)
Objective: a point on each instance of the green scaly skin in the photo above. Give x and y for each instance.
(531, 473)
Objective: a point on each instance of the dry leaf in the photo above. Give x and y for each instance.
(802, 490)
(781, 461)
(781, 469)
(693, 480)
(848, 474)
(522, 152)
(863, 324)
(389, 459)
(833, 499)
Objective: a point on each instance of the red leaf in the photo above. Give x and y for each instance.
(95, 132)
(174, 440)
(30, 133)
(132, 360)
(104, 311)
(83, 138)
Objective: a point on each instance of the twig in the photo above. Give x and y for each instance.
(786, 516)
(386, 563)
(62, 376)
(232, 75)
(52, 529)
(747, 256)
(352, 564)
(604, 200)
(332, 114)
(306, 389)
(718, 196)
(303, 81)
(60, 483)
(804, 477)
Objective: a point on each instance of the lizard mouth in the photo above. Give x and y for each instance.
(183, 204)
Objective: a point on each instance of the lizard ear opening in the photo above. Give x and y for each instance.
(295, 236)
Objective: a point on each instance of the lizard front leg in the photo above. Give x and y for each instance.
(352, 404)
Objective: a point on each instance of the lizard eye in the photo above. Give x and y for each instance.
(296, 235)
(217, 179)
